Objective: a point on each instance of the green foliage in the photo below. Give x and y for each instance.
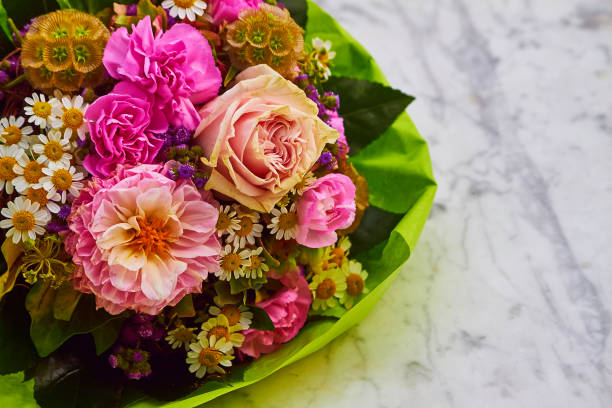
(243, 284)
(368, 108)
(105, 336)
(90, 6)
(298, 10)
(185, 308)
(261, 320)
(47, 332)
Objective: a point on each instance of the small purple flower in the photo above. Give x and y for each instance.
(145, 331)
(137, 356)
(81, 142)
(171, 174)
(56, 227)
(64, 212)
(182, 135)
(199, 182)
(331, 101)
(112, 360)
(312, 93)
(134, 375)
(132, 10)
(186, 171)
(326, 158)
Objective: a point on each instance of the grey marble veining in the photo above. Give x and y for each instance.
(507, 300)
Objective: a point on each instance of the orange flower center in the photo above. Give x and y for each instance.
(337, 256)
(326, 289)
(231, 262)
(42, 109)
(246, 226)
(223, 222)
(37, 195)
(12, 135)
(184, 335)
(219, 332)
(61, 179)
(184, 3)
(23, 220)
(32, 172)
(153, 237)
(256, 262)
(72, 118)
(53, 150)
(6, 168)
(287, 221)
(210, 357)
(354, 284)
(232, 313)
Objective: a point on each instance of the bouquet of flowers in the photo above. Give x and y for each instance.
(194, 194)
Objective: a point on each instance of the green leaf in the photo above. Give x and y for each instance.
(298, 10)
(48, 333)
(368, 108)
(64, 4)
(185, 308)
(105, 336)
(17, 350)
(66, 300)
(90, 6)
(261, 319)
(4, 23)
(242, 284)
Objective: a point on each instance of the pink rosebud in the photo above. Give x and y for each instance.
(326, 206)
(288, 309)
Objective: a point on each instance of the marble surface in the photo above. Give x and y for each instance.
(507, 299)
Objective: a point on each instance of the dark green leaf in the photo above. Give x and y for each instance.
(48, 333)
(185, 308)
(90, 6)
(17, 352)
(368, 108)
(105, 336)
(375, 227)
(298, 10)
(261, 320)
(21, 13)
(4, 25)
(242, 284)
(66, 300)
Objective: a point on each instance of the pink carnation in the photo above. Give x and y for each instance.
(337, 122)
(326, 206)
(141, 241)
(228, 10)
(288, 309)
(122, 126)
(177, 66)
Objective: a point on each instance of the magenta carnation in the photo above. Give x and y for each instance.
(177, 66)
(122, 126)
(228, 10)
(288, 309)
(141, 241)
(326, 206)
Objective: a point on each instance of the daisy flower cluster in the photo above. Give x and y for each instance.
(38, 166)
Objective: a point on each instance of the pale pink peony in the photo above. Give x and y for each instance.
(176, 66)
(261, 137)
(228, 10)
(122, 127)
(288, 310)
(141, 241)
(326, 206)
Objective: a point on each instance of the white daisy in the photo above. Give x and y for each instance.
(185, 8)
(25, 219)
(323, 47)
(258, 265)
(206, 356)
(53, 148)
(40, 111)
(8, 160)
(248, 230)
(62, 180)
(235, 314)
(29, 172)
(70, 116)
(284, 222)
(39, 195)
(233, 263)
(12, 132)
(181, 336)
(227, 223)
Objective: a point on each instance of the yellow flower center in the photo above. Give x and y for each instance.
(23, 220)
(210, 357)
(246, 226)
(232, 313)
(223, 222)
(32, 172)
(53, 150)
(354, 284)
(326, 289)
(184, 3)
(231, 262)
(153, 236)
(324, 265)
(287, 221)
(184, 335)
(6, 168)
(61, 179)
(219, 332)
(12, 135)
(337, 256)
(73, 118)
(42, 109)
(37, 195)
(256, 262)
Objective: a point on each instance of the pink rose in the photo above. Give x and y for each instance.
(177, 66)
(288, 309)
(228, 10)
(326, 206)
(141, 241)
(261, 137)
(122, 126)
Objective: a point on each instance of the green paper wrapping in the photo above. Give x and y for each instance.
(397, 167)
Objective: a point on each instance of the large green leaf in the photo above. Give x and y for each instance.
(47, 332)
(261, 319)
(4, 25)
(298, 10)
(368, 108)
(105, 336)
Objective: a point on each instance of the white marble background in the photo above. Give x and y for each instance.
(507, 300)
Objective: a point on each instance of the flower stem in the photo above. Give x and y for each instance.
(14, 82)
(15, 30)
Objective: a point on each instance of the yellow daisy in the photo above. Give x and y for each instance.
(326, 287)
(355, 284)
(206, 356)
(233, 263)
(53, 148)
(219, 327)
(181, 336)
(235, 314)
